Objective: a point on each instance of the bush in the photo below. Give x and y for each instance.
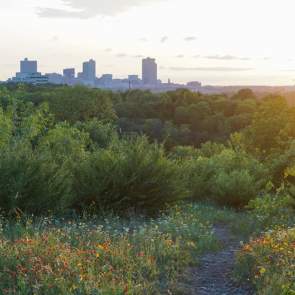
(64, 143)
(234, 188)
(102, 134)
(272, 210)
(229, 178)
(30, 182)
(5, 128)
(184, 153)
(130, 174)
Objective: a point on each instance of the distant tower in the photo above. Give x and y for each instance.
(28, 66)
(89, 70)
(149, 71)
(69, 73)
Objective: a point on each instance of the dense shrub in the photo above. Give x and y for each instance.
(102, 134)
(5, 128)
(228, 178)
(281, 165)
(64, 143)
(272, 210)
(30, 182)
(130, 174)
(184, 153)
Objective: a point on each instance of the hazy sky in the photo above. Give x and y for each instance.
(213, 41)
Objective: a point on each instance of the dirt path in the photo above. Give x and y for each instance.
(214, 274)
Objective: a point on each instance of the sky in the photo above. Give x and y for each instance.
(217, 42)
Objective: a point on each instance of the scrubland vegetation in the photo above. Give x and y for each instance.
(105, 192)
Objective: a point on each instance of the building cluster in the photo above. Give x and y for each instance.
(29, 74)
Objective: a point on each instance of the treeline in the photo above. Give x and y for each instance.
(180, 117)
(64, 148)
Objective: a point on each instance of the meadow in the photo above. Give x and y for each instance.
(95, 255)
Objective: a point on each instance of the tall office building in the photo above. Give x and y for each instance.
(89, 70)
(29, 73)
(28, 66)
(149, 71)
(69, 73)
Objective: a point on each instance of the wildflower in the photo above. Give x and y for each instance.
(101, 247)
(262, 270)
(247, 248)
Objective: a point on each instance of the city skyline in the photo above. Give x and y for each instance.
(229, 42)
(29, 73)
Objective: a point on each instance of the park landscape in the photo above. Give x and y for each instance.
(146, 193)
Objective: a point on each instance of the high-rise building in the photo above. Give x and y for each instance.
(28, 66)
(29, 73)
(149, 71)
(89, 70)
(69, 73)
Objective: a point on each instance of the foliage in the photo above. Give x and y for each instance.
(77, 103)
(64, 143)
(272, 210)
(182, 117)
(229, 177)
(130, 174)
(6, 128)
(268, 262)
(30, 182)
(101, 134)
(272, 127)
(103, 167)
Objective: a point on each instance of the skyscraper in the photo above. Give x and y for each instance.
(28, 66)
(89, 70)
(149, 71)
(69, 73)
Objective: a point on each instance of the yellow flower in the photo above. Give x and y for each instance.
(101, 247)
(262, 270)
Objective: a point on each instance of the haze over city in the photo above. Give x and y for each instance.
(229, 42)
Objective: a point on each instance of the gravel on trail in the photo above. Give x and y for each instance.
(213, 276)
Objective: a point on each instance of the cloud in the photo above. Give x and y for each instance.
(143, 39)
(197, 56)
(179, 56)
(190, 38)
(137, 56)
(210, 69)
(164, 39)
(108, 50)
(121, 55)
(84, 9)
(62, 13)
(226, 57)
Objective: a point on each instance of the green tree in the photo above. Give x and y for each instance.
(79, 103)
(272, 126)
